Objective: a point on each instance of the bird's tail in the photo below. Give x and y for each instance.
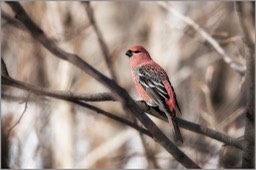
(173, 123)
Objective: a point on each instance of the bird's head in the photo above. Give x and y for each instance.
(137, 52)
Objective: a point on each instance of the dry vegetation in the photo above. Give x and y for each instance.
(203, 46)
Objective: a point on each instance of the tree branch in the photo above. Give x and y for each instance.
(10, 20)
(119, 93)
(245, 17)
(22, 114)
(238, 143)
(4, 70)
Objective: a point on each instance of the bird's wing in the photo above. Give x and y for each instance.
(152, 82)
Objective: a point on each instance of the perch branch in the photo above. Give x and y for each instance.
(194, 127)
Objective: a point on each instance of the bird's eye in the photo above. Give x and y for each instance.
(137, 51)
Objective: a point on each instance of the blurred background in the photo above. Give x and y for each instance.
(56, 134)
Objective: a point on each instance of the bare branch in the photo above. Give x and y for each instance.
(93, 97)
(103, 45)
(194, 127)
(152, 163)
(22, 114)
(234, 65)
(12, 21)
(245, 17)
(4, 70)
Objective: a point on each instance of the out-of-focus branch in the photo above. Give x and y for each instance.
(17, 24)
(118, 92)
(22, 114)
(209, 116)
(12, 21)
(231, 118)
(245, 15)
(152, 162)
(246, 18)
(103, 45)
(233, 64)
(4, 70)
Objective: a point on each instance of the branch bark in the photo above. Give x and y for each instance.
(245, 17)
(238, 143)
(119, 93)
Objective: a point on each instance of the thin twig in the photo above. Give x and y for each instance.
(230, 40)
(22, 114)
(4, 70)
(233, 64)
(210, 116)
(152, 163)
(232, 117)
(103, 45)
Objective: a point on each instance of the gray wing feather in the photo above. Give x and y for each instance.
(152, 84)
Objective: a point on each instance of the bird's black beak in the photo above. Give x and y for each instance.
(129, 53)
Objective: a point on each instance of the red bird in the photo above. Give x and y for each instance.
(153, 85)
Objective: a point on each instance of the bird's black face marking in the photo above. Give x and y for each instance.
(129, 53)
